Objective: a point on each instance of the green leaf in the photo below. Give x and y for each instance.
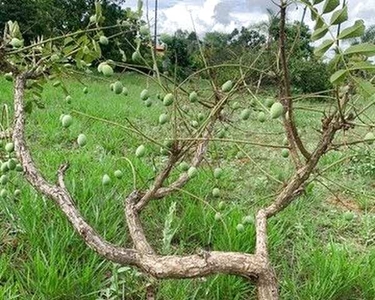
(319, 33)
(330, 5)
(366, 88)
(363, 65)
(323, 48)
(362, 49)
(339, 16)
(319, 23)
(317, 1)
(357, 30)
(338, 76)
(314, 14)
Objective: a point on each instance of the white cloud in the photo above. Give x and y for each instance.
(225, 15)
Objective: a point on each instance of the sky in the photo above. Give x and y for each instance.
(225, 15)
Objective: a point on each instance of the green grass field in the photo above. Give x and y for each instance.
(317, 251)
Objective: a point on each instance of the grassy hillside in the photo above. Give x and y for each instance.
(319, 251)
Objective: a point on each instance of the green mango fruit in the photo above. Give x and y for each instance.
(240, 228)
(82, 140)
(16, 43)
(193, 97)
(144, 30)
(107, 70)
(168, 99)
(261, 117)
(9, 147)
(103, 40)
(8, 76)
(245, 114)
(216, 192)
(117, 87)
(227, 86)
(118, 174)
(3, 179)
(3, 193)
(184, 166)
(369, 138)
(192, 172)
(106, 180)
(163, 118)
(218, 172)
(285, 153)
(67, 121)
(276, 110)
(12, 164)
(145, 95)
(140, 152)
(269, 102)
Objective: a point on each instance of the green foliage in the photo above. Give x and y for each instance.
(310, 76)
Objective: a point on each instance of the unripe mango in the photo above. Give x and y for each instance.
(12, 164)
(148, 102)
(82, 140)
(245, 114)
(85, 90)
(218, 172)
(19, 168)
(163, 118)
(118, 174)
(103, 40)
(4, 167)
(285, 153)
(235, 105)
(193, 97)
(145, 95)
(216, 192)
(8, 76)
(168, 99)
(16, 43)
(269, 102)
(192, 172)
(141, 151)
(248, 220)
(93, 19)
(369, 138)
(240, 228)
(201, 116)
(107, 70)
(125, 91)
(348, 216)
(221, 205)
(106, 180)
(117, 87)
(184, 166)
(3, 193)
(217, 216)
(17, 193)
(9, 147)
(143, 30)
(227, 86)
(66, 121)
(3, 179)
(261, 117)
(68, 99)
(276, 110)
(194, 123)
